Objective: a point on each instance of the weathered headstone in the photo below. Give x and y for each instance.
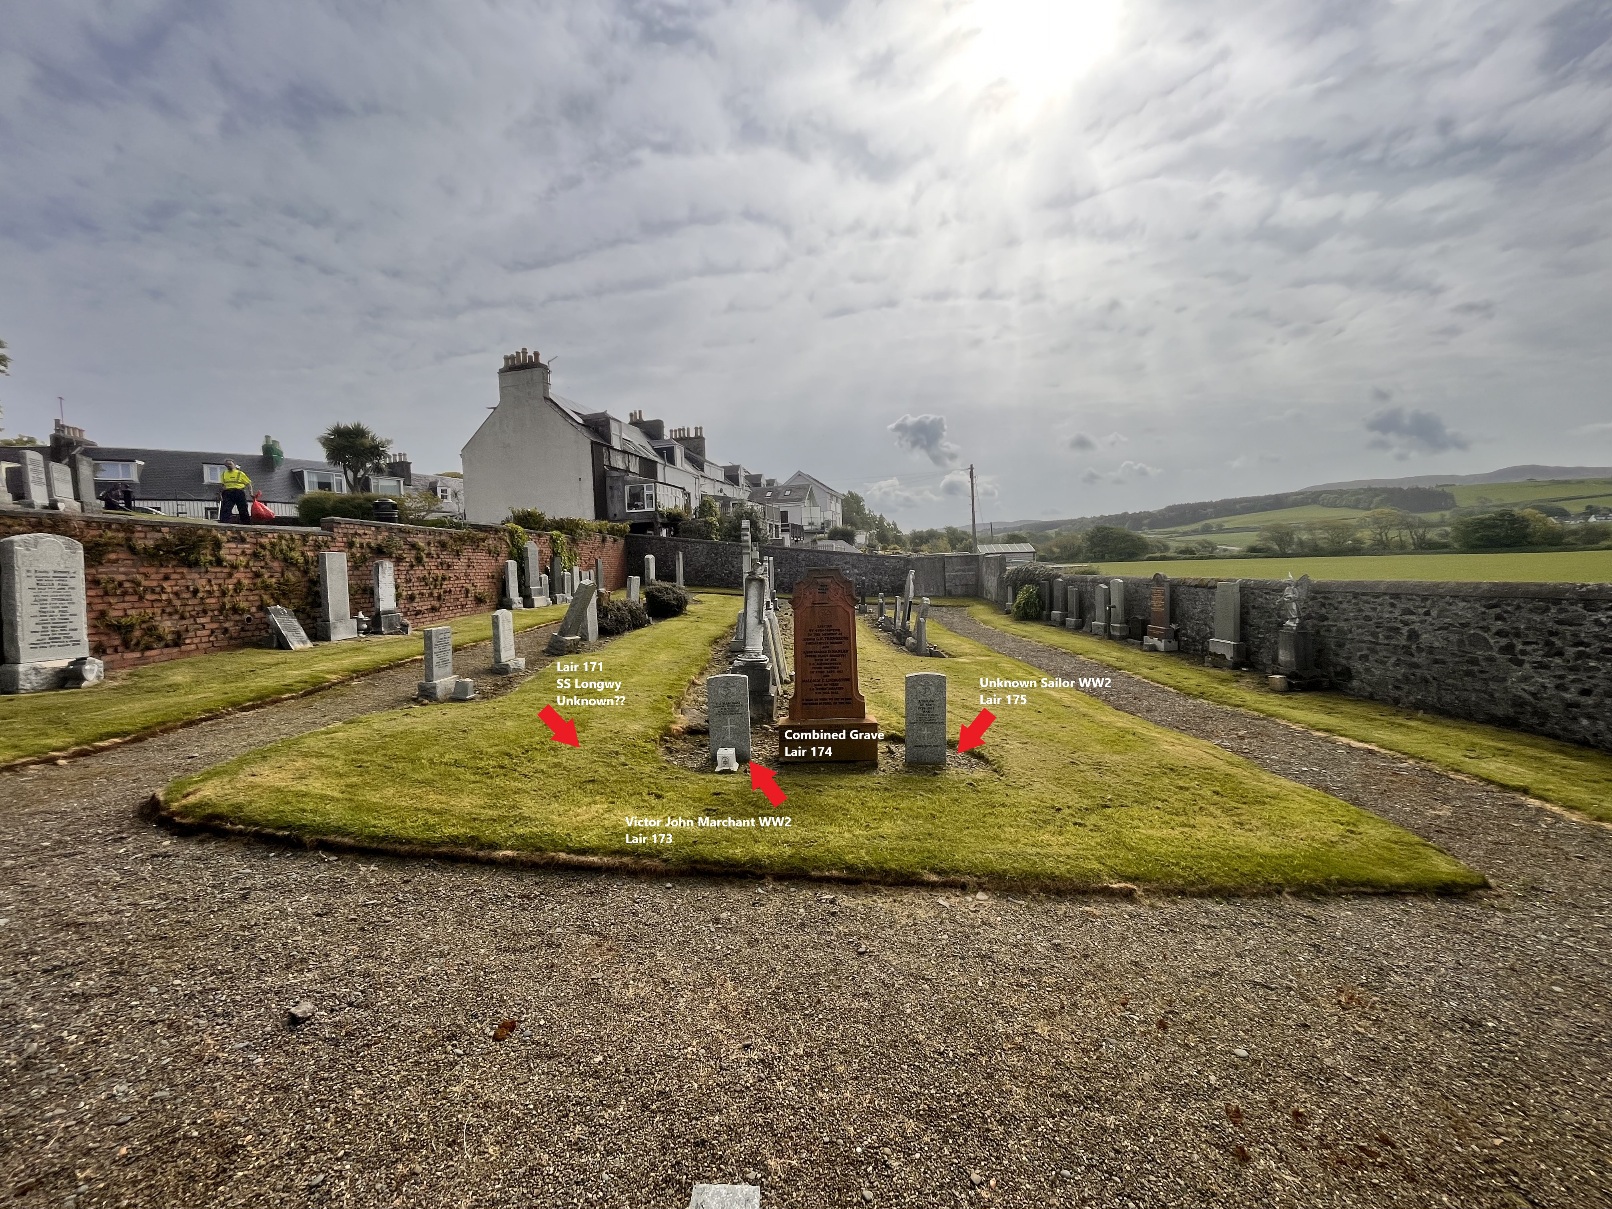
(1099, 613)
(633, 595)
(1060, 595)
(383, 579)
(35, 483)
(1228, 640)
(727, 711)
(570, 636)
(828, 719)
(61, 488)
(439, 681)
(1118, 627)
(505, 661)
(752, 661)
(562, 589)
(1296, 640)
(10, 487)
(590, 615)
(510, 598)
(285, 631)
(598, 574)
(926, 718)
(84, 482)
(1161, 633)
(537, 594)
(44, 619)
(680, 582)
(920, 630)
(736, 644)
(880, 619)
(335, 623)
(649, 568)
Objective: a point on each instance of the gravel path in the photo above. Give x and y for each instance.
(885, 1047)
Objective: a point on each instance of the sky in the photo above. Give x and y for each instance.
(1113, 254)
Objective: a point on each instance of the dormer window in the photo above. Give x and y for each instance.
(118, 472)
(323, 480)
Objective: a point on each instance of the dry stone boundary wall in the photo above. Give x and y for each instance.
(161, 590)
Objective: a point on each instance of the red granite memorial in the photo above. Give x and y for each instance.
(828, 720)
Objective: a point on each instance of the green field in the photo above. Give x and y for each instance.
(1068, 793)
(1548, 566)
(1571, 494)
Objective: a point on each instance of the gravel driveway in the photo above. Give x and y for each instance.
(885, 1047)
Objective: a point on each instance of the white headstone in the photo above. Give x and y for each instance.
(439, 680)
(1118, 627)
(590, 618)
(727, 711)
(335, 622)
(505, 661)
(926, 718)
(35, 485)
(632, 589)
(10, 487)
(84, 482)
(61, 484)
(511, 599)
(921, 629)
(44, 619)
(537, 592)
(287, 631)
(383, 578)
(649, 568)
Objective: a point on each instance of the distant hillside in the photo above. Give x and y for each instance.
(1511, 474)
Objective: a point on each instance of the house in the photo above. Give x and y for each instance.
(827, 509)
(398, 478)
(539, 450)
(792, 503)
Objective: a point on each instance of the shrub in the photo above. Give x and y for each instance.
(1027, 604)
(355, 505)
(618, 615)
(842, 533)
(664, 600)
(1106, 543)
(1490, 530)
(1030, 573)
(530, 519)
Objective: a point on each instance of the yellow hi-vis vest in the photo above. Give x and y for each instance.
(235, 480)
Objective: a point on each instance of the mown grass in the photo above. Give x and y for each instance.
(149, 699)
(1562, 773)
(1071, 794)
(1544, 566)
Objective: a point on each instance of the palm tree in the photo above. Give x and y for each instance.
(355, 448)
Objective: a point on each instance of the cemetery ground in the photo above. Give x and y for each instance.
(160, 696)
(1564, 774)
(1539, 566)
(1067, 794)
(488, 1036)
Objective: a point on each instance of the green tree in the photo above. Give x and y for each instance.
(1490, 530)
(731, 523)
(355, 448)
(1382, 527)
(1065, 548)
(1279, 536)
(1542, 528)
(1108, 543)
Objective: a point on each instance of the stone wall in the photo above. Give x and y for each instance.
(162, 589)
(1533, 657)
(946, 574)
(718, 564)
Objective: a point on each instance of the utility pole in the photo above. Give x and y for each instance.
(973, 517)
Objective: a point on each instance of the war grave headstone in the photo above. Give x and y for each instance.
(828, 717)
(537, 595)
(35, 483)
(569, 637)
(61, 488)
(1118, 627)
(285, 631)
(727, 711)
(440, 684)
(680, 582)
(632, 589)
(505, 661)
(649, 568)
(44, 618)
(752, 661)
(84, 482)
(1296, 641)
(336, 622)
(1099, 613)
(383, 579)
(926, 718)
(1228, 642)
(1161, 630)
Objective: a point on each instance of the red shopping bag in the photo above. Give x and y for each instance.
(260, 510)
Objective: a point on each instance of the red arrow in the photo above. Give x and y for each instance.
(766, 780)
(973, 735)
(564, 731)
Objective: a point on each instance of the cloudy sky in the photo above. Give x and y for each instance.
(1114, 253)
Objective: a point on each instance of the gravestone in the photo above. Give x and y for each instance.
(505, 661)
(920, 632)
(1074, 617)
(285, 631)
(752, 661)
(537, 592)
(590, 615)
(680, 582)
(1228, 642)
(35, 483)
(1060, 595)
(1099, 613)
(880, 619)
(632, 589)
(44, 619)
(1161, 632)
(439, 681)
(1118, 627)
(828, 718)
(61, 488)
(335, 623)
(926, 718)
(649, 568)
(10, 487)
(727, 712)
(562, 589)
(383, 579)
(84, 482)
(598, 576)
(1296, 640)
(568, 638)
(511, 595)
(736, 643)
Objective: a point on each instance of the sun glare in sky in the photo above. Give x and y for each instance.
(1035, 48)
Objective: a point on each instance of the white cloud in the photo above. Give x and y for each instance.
(926, 435)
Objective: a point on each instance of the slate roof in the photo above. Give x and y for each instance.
(783, 495)
(171, 474)
(1006, 548)
(817, 482)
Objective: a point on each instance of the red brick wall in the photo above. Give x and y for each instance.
(167, 589)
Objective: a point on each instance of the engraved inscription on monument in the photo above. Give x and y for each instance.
(828, 720)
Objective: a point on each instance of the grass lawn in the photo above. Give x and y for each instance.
(1072, 794)
(145, 700)
(1546, 566)
(1563, 773)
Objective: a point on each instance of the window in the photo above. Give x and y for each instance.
(212, 472)
(382, 484)
(323, 480)
(123, 472)
(641, 497)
